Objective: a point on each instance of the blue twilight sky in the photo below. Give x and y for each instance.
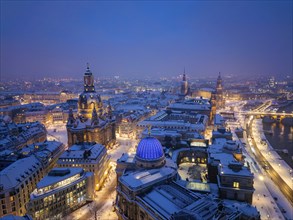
(145, 39)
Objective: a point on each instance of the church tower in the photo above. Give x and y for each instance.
(92, 123)
(213, 107)
(219, 92)
(184, 85)
(88, 80)
(88, 99)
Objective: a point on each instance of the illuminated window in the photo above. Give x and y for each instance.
(236, 184)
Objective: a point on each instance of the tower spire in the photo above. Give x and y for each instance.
(184, 75)
(88, 80)
(149, 129)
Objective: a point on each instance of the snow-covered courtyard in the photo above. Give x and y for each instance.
(192, 172)
(57, 132)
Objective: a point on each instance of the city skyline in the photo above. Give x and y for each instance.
(139, 39)
(205, 149)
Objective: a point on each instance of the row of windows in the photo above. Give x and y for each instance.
(57, 209)
(20, 195)
(58, 198)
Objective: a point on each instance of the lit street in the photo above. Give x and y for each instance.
(103, 202)
(271, 205)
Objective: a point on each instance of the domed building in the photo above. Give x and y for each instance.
(139, 172)
(89, 99)
(149, 187)
(93, 123)
(149, 153)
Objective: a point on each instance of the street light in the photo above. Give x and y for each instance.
(261, 177)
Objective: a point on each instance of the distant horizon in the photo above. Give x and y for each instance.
(159, 78)
(145, 39)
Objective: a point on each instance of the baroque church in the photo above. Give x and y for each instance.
(94, 123)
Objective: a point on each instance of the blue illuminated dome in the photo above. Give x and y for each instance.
(150, 153)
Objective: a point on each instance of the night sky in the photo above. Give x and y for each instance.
(145, 39)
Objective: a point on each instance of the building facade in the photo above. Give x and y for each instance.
(61, 192)
(235, 182)
(17, 182)
(93, 123)
(90, 157)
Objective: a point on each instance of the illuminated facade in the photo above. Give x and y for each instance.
(48, 98)
(235, 182)
(126, 128)
(89, 156)
(47, 152)
(92, 124)
(17, 182)
(175, 118)
(61, 192)
(228, 169)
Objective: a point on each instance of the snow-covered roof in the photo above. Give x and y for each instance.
(173, 124)
(160, 132)
(189, 106)
(194, 104)
(129, 107)
(245, 208)
(20, 170)
(143, 178)
(227, 170)
(127, 158)
(219, 120)
(50, 146)
(77, 152)
(171, 200)
(52, 179)
(168, 199)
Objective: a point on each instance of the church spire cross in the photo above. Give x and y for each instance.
(149, 130)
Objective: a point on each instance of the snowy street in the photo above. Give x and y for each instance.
(104, 199)
(268, 199)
